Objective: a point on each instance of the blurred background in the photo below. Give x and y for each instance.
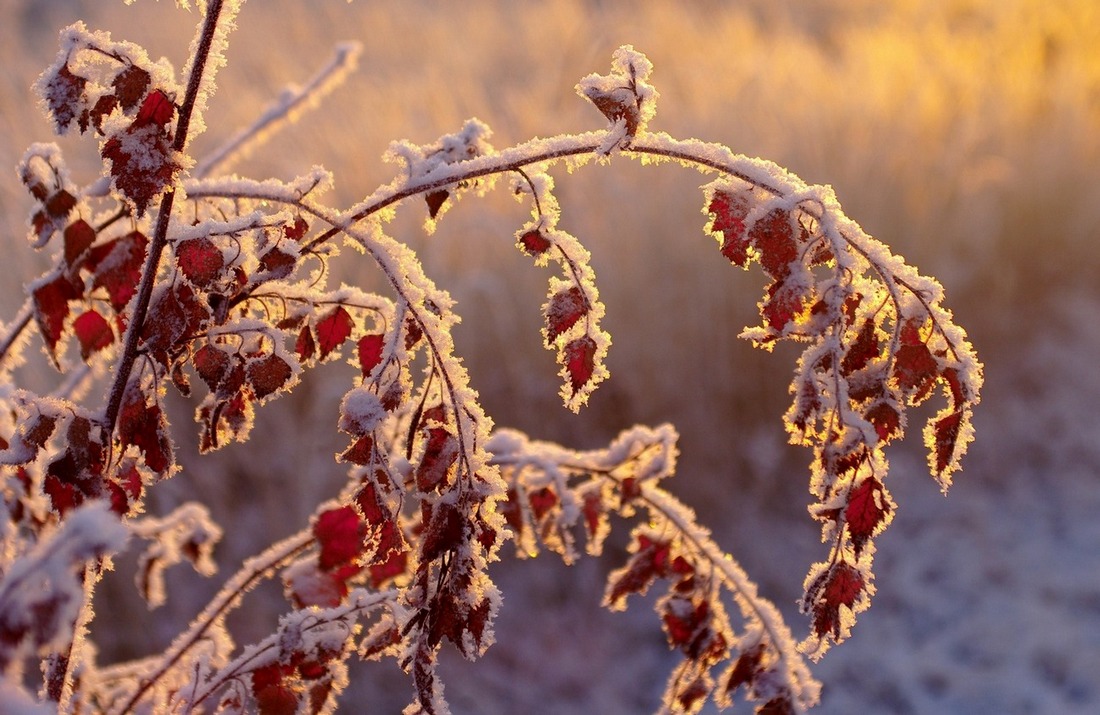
(963, 133)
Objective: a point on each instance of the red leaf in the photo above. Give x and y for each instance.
(394, 565)
(64, 497)
(370, 352)
(339, 533)
(886, 419)
(211, 364)
(946, 433)
(297, 230)
(304, 346)
(143, 425)
(512, 511)
(580, 361)
(783, 304)
(863, 349)
(361, 452)
(440, 453)
(276, 263)
(175, 316)
(729, 212)
(593, 514)
(534, 243)
(268, 374)
(958, 393)
(130, 86)
(867, 511)
(773, 236)
(143, 164)
(79, 236)
(649, 562)
(65, 97)
(413, 332)
(200, 261)
(910, 331)
(681, 619)
(746, 668)
(94, 333)
(842, 586)
(276, 700)
(542, 501)
(60, 204)
(129, 478)
(915, 368)
(117, 266)
(103, 108)
(156, 109)
(563, 311)
(435, 201)
(442, 531)
(333, 330)
(51, 307)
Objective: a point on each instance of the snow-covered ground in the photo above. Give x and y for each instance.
(989, 598)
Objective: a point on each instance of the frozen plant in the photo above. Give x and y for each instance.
(169, 274)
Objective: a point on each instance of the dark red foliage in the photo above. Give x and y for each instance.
(66, 98)
(79, 237)
(339, 533)
(157, 109)
(867, 511)
(730, 211)
(141, 424)
(915, 368)
(212, 364)
(945, 431)
(333, 330)
(842, 585)
(93, 332)
(143, 163)
(296, 231)
(276, 263)
(176, 314)
(117, 265)
(862, 350)
(51, 308)
(745, 668)
(542, 501)
(580, 361)
(440, 453)
(268, 374)
(131, 85)
(370, 349)
(200, 260)
(435, 201)
(650, 562)
(305, 345)
(563, 311)
(886, 419)
(534, 243)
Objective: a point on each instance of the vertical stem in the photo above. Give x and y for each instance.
(59, 667)
(160, 234)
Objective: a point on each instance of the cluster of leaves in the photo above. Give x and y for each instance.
(227, 303)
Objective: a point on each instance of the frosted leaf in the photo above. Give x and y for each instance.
(623, 96)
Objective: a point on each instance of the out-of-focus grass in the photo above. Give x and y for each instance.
(965, 134)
